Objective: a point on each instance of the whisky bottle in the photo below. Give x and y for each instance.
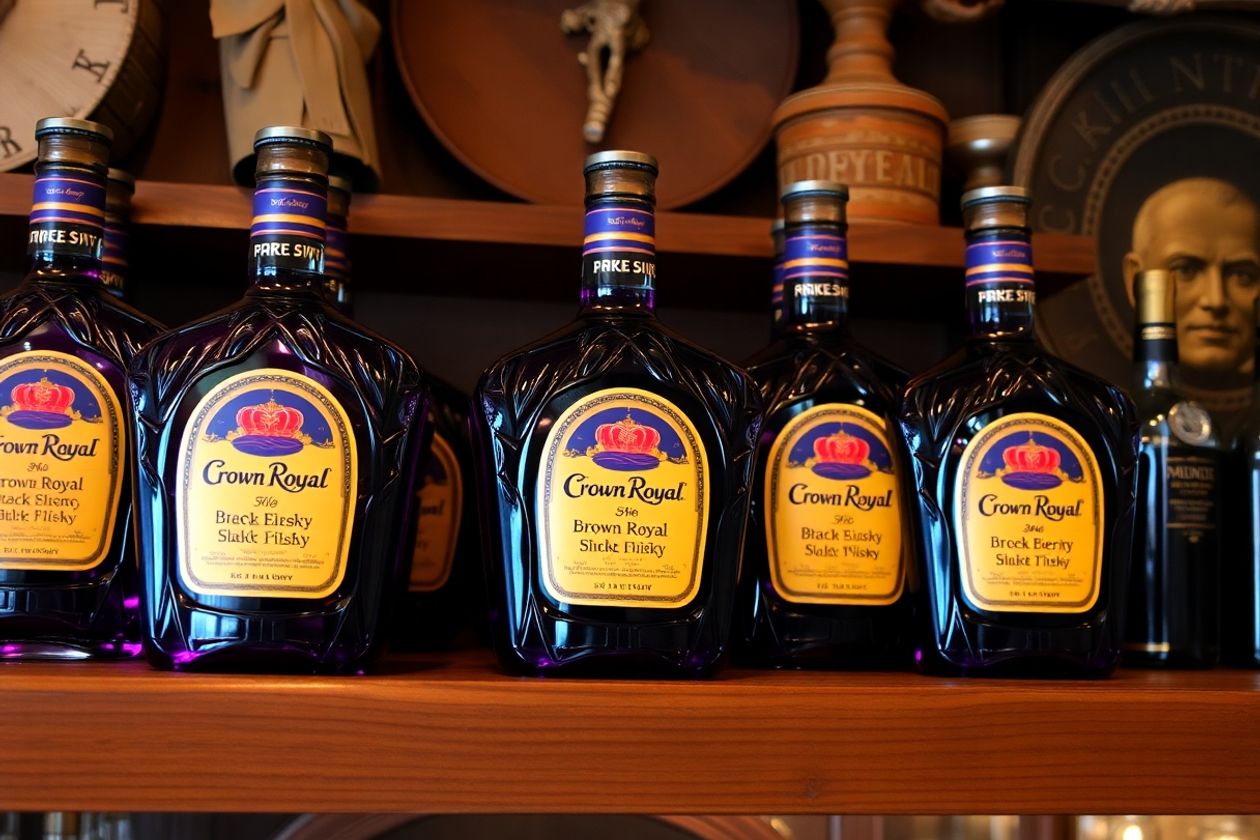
(776, 285)
(337, 245)
(119, 187)
(446, 587)
(67, 563)
(613, 462)
(1173, 608)
(823, 582)
(1023, 476)
(1240, 573)
(277, 444)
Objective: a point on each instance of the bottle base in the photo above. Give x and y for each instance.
(66, 651)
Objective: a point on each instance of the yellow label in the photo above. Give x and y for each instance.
(441, 499)
(268, 478)
(833, 510)
(623, 502)
(1028, 509)
(62, 448)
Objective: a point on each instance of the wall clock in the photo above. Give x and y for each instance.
(76, 58)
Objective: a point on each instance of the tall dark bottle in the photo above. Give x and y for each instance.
(277, 446)
(1174, 601)
(613, 462)
(1023, 477)
(776, 282)
(824, 578)
(1240, 572)
(67, 563)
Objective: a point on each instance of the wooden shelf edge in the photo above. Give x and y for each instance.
(452, 735)
(418, 217)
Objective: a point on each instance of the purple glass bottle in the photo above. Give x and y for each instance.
(67, 566)
(614, 461)
(119, 187)
(277, 442)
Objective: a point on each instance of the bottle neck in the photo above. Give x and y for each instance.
(1155, 354)
(67, 224)
(619, 256)
(337, 263)
(114, 255)
(286, 237)
(776, 298)
(815, 277)
(1000, 288)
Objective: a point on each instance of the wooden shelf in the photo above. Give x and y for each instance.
(508, 223)
(450, 734)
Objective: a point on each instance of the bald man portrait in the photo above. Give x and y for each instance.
(1206, 232)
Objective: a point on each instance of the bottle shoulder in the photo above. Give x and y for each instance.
(795, 369)
(56, 314)
(299, 338)
(992, 380)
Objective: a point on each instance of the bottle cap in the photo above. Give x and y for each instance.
(995, 207)
(122, 178)
(620, 158)
(830, 188)
(288, 149)
(815, 201)
(50, 126)
(340, 182)
(1155, 293)
(621, 173)
(76, 142)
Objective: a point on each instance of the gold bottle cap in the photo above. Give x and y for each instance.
(75, 142)
(291, 149)
(815, 201)
(69, 125)
(339, 192)
(995, 207)
(1156, 297)
(123, 178)
(621, 172)
(340, 182)
(119, 187)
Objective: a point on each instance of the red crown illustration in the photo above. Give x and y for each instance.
(1031, 457)
(841, 448)
(42, 396)
(270, 420)
(628, 436)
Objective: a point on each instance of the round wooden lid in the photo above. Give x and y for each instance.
(501, 87)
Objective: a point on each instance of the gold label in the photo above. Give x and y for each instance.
(1028, 512)
(623, 502)
(62, 448)
(441, 499)
(833, 511)
(268, 478)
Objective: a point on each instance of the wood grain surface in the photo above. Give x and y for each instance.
(508, 223)
(453, 735)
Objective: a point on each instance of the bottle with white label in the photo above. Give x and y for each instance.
(1023, 482)
(278, 442)
(824, 577)
(67, 562)
(1174, 592)
(614, 461)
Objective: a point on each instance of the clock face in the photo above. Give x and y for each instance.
(59, 58)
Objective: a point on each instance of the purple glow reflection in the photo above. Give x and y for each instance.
(183, 657)
(132, 648)
(132, 603)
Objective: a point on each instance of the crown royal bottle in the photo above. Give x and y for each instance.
(337, 244)
(1024, 472)
(824, 579)
(67, 568)
(1174, 593)
(278, 443)
(776, 284)
(614, 461)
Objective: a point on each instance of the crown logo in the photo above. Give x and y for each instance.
(1031, 466)
(269, 429)
(627, 445)
(41, 405)
(841, 455)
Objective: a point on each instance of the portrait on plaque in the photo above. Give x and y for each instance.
(1146, 140)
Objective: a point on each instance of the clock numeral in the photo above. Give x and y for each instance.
(8, 145)
(96, 68)
(123, 5)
